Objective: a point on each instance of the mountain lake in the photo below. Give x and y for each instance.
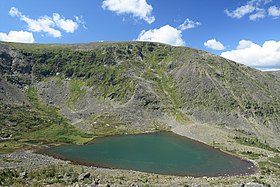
(161, 153)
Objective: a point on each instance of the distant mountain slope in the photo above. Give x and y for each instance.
(130, 87)
(276, 73)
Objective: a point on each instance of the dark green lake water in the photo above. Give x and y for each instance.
(162, 153)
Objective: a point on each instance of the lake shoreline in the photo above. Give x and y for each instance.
(115, 177)
(184, 132)
(252, 170)
(129, 177)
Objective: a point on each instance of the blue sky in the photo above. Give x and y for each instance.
(247, 31)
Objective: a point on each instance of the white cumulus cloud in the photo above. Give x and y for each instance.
(254, 55)
(274, 11)
(189, 24)
(17, 36)
(168, 34)
(258, 15)
(50, 25)
(243, 44)
(165, 34)
(67, 25)
(256, 9)
(240, 11)
(138, 8)
(214, 44)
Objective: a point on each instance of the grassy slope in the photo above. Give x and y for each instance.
(36, 122)
(110, 70)
(214, 83)
(112, 67)
(76, 93)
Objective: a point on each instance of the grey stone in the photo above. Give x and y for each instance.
(253, 184)
(23, 175)
(84, 176)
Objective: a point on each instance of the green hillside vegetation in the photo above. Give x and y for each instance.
(113, 70)
(35, 121)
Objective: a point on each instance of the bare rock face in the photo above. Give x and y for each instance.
(10, 93)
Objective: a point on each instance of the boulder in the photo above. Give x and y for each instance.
(252, 184)
(23, 175)
(84, 176)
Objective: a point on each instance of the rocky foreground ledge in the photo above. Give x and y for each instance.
(26, 168)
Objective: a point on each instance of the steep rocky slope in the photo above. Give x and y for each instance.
(133, 87)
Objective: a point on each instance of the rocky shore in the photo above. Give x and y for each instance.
(31, 169)
(26, 163)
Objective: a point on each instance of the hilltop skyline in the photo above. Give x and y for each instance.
(243, 31)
